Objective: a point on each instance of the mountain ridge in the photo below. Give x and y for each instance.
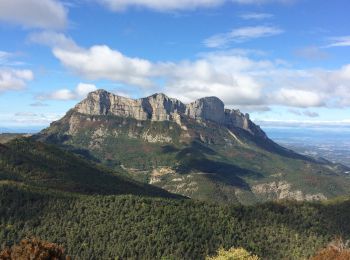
(198, 150)
(160, 107)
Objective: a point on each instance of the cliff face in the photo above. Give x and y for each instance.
(208, 108)
(159, 107)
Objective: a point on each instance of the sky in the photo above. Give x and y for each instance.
(286, 62)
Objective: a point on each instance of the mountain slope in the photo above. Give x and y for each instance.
(133, 227)
(200, 150)
(42, 165)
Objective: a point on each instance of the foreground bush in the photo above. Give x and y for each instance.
(336, 250)
(233, 254)
(34, 249)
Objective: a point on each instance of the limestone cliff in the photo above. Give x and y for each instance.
(159, 107)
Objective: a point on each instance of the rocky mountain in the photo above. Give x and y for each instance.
(159, 107)
(200, 150)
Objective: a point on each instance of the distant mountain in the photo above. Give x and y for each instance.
(7, 137)
(20, 130)
(27, 162)
(200, 150)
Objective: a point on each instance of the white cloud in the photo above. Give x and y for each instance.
(343, 41)
(176, 5)
(256, 16)
(297, 98)
(97, 62)
(81, 90)
(226, 77)
(101, 62)
(34, 13)
(53, 39)
(239, 78)
(13, 79)
(241, 35)
(61, 94)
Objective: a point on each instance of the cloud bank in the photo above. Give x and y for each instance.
(14, 79)
(48, 14)
(81, 90)
(237, 78)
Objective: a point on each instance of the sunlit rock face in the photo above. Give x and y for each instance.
(159, 107)
(208, 108)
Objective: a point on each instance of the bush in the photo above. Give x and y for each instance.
(336, 250)
(34, 248)
(233, 254)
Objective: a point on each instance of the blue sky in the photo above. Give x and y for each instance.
(286, 62)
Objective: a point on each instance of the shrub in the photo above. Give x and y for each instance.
(233, 254)
(33, 248)
(336, 250)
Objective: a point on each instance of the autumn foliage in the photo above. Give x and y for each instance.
(336, 250)
(33, 248)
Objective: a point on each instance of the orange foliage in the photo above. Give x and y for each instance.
(337, 250)
(34, 248)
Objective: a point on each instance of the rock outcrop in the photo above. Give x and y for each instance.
(159, 107)
(208, 108)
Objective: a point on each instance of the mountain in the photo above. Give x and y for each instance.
(200, 150)
(32, 163)
(7, 137)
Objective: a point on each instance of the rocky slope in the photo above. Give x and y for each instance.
(200, 150)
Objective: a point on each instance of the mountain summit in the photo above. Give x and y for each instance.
(200, 150)
(159, 107)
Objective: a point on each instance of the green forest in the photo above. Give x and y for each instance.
(131, 227)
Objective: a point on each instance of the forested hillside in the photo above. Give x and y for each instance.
(26, 161)
(130, 227)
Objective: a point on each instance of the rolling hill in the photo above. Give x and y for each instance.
(32, 163)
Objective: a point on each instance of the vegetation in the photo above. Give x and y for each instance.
(34, 249)
(7, 137)
(97, 214)
(233, 254)
(336, 250)
(43, 165)
(128, 227)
